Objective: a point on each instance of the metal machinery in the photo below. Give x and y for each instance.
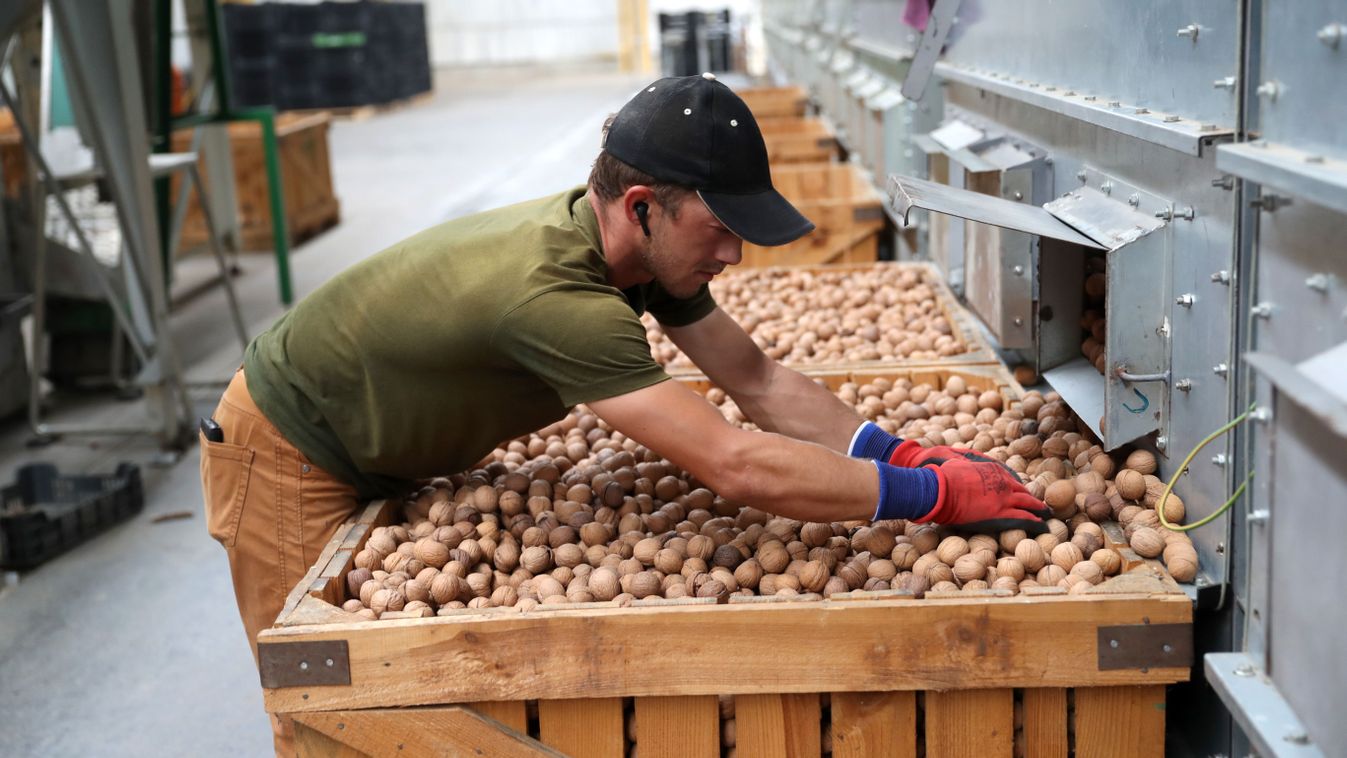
(1198, 148)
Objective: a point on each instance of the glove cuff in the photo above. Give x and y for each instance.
(905, 454)
(942, 491)
(906, 493)
(870, 441)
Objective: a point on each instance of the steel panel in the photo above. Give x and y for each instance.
(1286, 169)
(1303, 286)
(999, 264)
(1259, 708)
(1303, 92)
(1141, 343)
(1129, 52)
(906, 193)
(1202, 335)
(1307, 658)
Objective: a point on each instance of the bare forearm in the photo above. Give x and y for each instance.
(795, 479)
(793, 405)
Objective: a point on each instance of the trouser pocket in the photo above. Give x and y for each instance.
(225, 471)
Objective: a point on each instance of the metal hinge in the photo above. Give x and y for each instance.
(303, 664)
(1145, 646)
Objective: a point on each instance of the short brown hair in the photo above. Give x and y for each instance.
(610, 178)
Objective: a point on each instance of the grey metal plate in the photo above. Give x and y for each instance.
(1129, 52)
(1166, 129)
(928, 50)
(1136, 308)
(1310, 176)
(1143, 646)
(1108, 221)
(957, 135)
(303, 664)
(1318, 394)
(1258, 707)
(1310, 105)
(907, 192)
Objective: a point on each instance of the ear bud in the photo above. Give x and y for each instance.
(642, 211)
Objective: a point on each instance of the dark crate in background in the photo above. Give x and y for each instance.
(326, 55)
(44, 514)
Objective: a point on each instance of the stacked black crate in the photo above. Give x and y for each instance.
(250, 32)
(295, 76)
(413, 59)
(346, 74)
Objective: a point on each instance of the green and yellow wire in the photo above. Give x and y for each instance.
(1169, 487)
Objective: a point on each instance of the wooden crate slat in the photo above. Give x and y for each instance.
(874, 724)
(1045, 723)
(962, 723)
(678, 727)
(445, 731)
(893, 644)
(775, 102)
(1120, 722)
(583, 728)
(511, 713)
(769, 726)
(311, 743)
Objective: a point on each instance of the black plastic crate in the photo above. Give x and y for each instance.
(45, 514)
(249, 29)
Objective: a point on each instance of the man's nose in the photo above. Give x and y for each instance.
(731, 252)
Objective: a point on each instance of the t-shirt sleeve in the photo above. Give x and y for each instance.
(585, 345)
(671, 311)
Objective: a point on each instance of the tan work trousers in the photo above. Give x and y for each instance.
(271, 509)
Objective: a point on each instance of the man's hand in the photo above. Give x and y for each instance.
(980, 497)
(911, 454)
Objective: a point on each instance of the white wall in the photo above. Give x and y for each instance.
(504, 32)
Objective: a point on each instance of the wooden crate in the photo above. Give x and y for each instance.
(798, 140)
(962, 322)
(311, 206)
(775, 102)
(868, 673)
(845, 207)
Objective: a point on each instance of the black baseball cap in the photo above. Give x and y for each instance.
(695, 132)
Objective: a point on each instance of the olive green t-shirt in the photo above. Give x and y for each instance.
(421, 359)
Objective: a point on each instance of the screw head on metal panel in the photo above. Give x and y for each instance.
(1226, 182)
(1165, 213)
(1134, 199)
(1115, 103)
(1172, 119)
(1261, 415)
(1081, 175)
(1183, 385)
(1186, 300)
(1220, 369)
(1221, 277)
(1297, 738)
(1218, 459)
(1331, 34)
(1244, 669)
(1268, 89)
(1190, 30)
(1142, 111)
(1019, 321)
(1262, 310)
(1202, 581)
(1226, 82)
(1161, 443)
(1106, 188)
(1019, 195)
(1220, 548)
(1318, 282)
(1019, 270)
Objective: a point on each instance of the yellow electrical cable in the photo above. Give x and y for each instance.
(1169, 488)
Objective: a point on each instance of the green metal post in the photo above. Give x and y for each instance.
(163, 124)
(279, 231)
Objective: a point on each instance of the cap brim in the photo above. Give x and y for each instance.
(762, 218)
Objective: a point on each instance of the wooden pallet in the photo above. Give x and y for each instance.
(961, 321)
(866, 673)
(845, 207)
(311, 205)
(798, 140)
(775, 102)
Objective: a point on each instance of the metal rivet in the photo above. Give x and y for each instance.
(1219, 459)
(305, 468)
(1019, 321)
(1161, 443)
(1081, 175)
(1221, 277)
(1019, 195)
(1115, 103)
(1332, 34)
(341, 726)
(1244, 669)
(1220, 369)
(1113, 644)
(1186, 300)
(1318, 282)
(1106, 188)
(1191, 30)
(1262, 310)
(1171, 119)
(1227, 82)
(1168, 648)
(1019, 270)
(734, 122)
(1142, 111)
(1183, 385)
(1134, 200)
(1269, 89)
(303, 665)
(330, 663)
(687, 111)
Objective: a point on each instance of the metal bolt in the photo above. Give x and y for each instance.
(1318, 282)
(1051, 89)
(1331, 35)
(1186, 300)
(1244, 669)
(1019, 195)
(1183, 385)
(1208, 128)
(1268, 89)
(1221, 277)
(330, 663)
(1202, 581)
(1019, 270)
(1227, 82)
(1134, 199)
(1171, 119)
(1218, 459)
(1166, 214)
(1261, 415)
(1187, 214)
(1314, 159)
(303, 665)
(1142, 111)
(1220, 369)
(1081, 175)
(1019, 321)
(1297, 738)
(1270, 202)
(1262, 310)
(1091, 98)
(1115, 103)
(1258, 516)
(1168, 648)
(1220, 548)
(1190, 30)
(1161, 443)
(1106, 188)
(1226, 182)
(1113, 644)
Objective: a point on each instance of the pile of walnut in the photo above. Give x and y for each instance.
(1092, 317)
(801, 317)
(578, 513)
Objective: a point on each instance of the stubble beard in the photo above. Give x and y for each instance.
(660, 260)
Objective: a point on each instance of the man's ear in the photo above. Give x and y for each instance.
(637, 202)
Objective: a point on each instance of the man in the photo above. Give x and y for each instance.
(421, 359)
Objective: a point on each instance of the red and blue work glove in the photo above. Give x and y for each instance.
(981, 495)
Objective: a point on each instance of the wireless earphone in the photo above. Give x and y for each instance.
(642, 211)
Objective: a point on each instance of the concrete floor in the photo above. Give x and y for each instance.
(131, 645)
